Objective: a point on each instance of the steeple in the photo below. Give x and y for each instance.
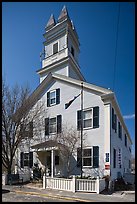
(61, 48)
(51, 22)
(63, 14)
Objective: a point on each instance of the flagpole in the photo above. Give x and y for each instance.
(81, 126)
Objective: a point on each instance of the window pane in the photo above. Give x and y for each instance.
(86, 152)
(87, 114)
(52, 101)
(52, 94)
(52, 120)
(86, 161)
(87, 123)
(52, 129)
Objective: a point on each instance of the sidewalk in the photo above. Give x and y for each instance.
(120, 196)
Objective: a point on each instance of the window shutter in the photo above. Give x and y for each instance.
(79, 120)
(114, 158)
(95, 156)
(59, 123)
(55, 48)
(113, 119)
(79, 157)
(46, 126)
(115, 123)
(121, 131)
(57, 96)
(48, 99)
(30, 159)
(96, 117)
(22, 159)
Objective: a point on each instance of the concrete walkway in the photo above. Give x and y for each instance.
(32, 189)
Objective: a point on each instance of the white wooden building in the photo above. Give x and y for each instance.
(107, 145)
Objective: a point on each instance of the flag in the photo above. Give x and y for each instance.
(70, 102)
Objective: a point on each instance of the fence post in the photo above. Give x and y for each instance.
(97, 184)
(4, 179)
(73, 183)
(44, 181)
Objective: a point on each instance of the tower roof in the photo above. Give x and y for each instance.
(63, 14)
(51, 22)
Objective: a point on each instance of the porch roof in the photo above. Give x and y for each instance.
(47, 144)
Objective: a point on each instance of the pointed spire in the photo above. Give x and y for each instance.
(63, 14)
(51, 22)
(73, 27)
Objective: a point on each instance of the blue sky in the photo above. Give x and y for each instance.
(23, 26)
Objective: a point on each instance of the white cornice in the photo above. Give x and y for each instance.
(58, 63)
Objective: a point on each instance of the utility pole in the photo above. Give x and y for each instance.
(81, 127)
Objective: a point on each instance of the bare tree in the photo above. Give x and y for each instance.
(70, 140)
(17, 120)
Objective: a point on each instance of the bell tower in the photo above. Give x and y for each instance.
(61, 48)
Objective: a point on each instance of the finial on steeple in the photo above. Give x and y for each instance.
(51, 22)
(63, 14)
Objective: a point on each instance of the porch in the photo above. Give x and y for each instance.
(49, 158)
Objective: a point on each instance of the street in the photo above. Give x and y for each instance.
(24, 193)
(8, 196)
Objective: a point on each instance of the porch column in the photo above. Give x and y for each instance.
(52, 163)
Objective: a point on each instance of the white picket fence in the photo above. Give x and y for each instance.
(84, 185)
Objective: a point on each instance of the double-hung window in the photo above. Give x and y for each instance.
(53, 97)
(87, 157)
(26, 159)
(52, 125)
(88, 118)
(90, 157)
